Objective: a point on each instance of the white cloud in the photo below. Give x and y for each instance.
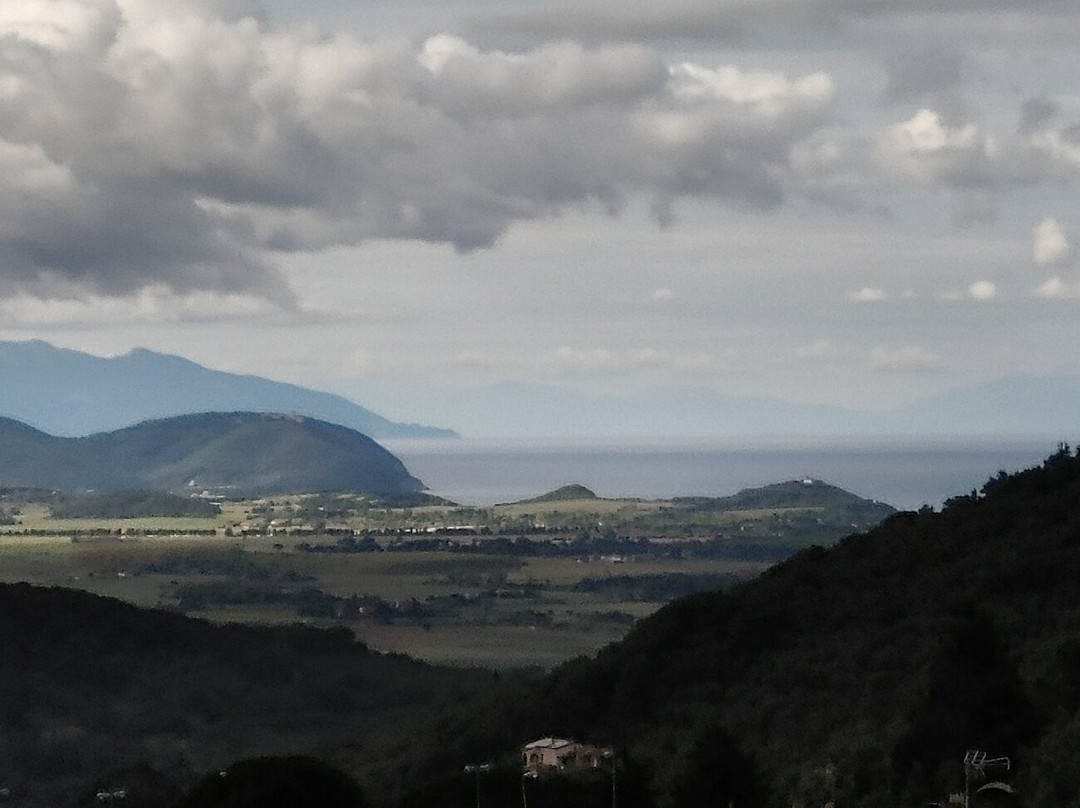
(151, 305)
(867, 294)
(57, 24)
(820, 349)
(1051, 245)
(982, 290)
(931, 148)
(472, 83)
(1057, 289)
(907, 359)
(926, 149)
(767, 93)
(663, 293)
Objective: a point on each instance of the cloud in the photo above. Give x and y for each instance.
(978, 291)
(927, 149)
(1036, 113)
(662, 293)
(818, 350)
(907, 359)
(1051, 246)
(801, 23)
(568, 359)
(982, 290)
(868, 294)
(151, 305)
(932, 148)
(185, 145)
(1057, 289)
(725, 22)
(921, 70)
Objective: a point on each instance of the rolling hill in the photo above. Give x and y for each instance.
(71, 393)
(242, 453)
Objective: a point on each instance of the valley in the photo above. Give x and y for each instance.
(521, 585)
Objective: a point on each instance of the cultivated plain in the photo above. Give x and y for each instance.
(520, 585)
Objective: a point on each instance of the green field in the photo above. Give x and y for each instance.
(466, 609)
(518, 585)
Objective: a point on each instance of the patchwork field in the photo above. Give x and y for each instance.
(522, 585)
(495, 611)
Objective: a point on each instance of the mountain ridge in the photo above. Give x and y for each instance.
(70, 393)
(67, 392)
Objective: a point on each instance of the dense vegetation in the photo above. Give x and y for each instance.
(97, 696)
(857, 675)
(520, 585)
(129, 505)
(239, 453)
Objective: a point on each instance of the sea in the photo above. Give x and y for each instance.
(904, 472)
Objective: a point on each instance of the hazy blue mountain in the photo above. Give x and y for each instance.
(1012, 404)
(515, 410)
(246, 453)
(67, 392)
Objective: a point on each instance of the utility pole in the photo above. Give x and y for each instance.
(609, 756)
(477, 769)
(530, 774)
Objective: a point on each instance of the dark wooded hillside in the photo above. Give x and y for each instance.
(858, 675)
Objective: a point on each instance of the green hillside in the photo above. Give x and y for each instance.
(238, 453)
(562, 494)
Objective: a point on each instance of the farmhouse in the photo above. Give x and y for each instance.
(561, 753)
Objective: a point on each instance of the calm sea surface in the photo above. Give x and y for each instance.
(905, 474)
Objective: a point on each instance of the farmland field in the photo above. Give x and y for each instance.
(523, 585)
(490, 610)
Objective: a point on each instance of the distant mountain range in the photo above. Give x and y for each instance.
(238, 453)
(70, 393)
(1017, 405)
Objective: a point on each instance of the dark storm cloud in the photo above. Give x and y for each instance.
(181, 145)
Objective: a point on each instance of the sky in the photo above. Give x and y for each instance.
(442, 209)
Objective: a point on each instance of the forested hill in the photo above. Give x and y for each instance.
(240, 453)
(97, 696)
(858, 675)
